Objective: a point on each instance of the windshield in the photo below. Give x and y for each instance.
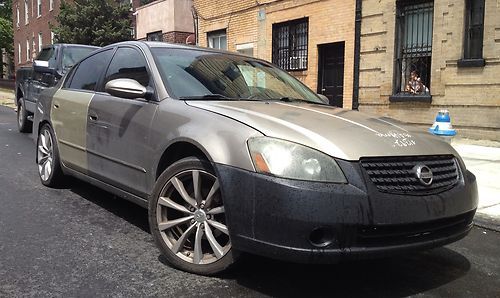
(72, 55)
(206, 75)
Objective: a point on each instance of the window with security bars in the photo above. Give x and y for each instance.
(290, 42)
(414, 24)
(474, 28)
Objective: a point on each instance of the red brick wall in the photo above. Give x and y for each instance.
(176, 36)
(37, 25)
(31, 30)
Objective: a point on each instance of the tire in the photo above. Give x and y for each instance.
(47, 158)
(23, 124)
(189, 226)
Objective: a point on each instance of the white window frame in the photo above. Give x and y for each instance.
(216, 35)
(52, 37)
(28, 52)
(245, 48)
(40, 42)
(39, 8)
(19, 53)
(26, 12)
(33, 47)
(51, 5)
(18, 18)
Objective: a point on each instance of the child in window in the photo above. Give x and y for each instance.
(415, 85)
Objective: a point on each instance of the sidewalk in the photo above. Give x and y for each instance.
(483, 159)
(7, 98)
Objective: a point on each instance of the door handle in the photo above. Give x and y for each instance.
(56, 106)
(93, 117)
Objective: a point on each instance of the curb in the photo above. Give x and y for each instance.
(487, 222)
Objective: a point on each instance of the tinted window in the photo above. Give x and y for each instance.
(72, 55)
(128, 63)
(45, 54)
(89, 70)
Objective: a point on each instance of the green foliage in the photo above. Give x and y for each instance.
(6, 32)
(93, 22)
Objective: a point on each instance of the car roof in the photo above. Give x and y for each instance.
(69, 45)
(159, 44)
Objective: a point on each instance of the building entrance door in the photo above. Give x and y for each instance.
(331, 72)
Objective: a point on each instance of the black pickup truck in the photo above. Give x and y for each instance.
(51, 64)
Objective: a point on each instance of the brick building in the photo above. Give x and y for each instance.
(31, 27)
(165, 20)
(453, 45)
(31, 19)
(312, 39)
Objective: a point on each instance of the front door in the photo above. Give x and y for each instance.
(118, 129)
(331, 72)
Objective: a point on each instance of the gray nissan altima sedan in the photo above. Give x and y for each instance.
(231, 154)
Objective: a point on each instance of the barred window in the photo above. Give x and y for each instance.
(154, 36)
(290, 42)
(474, 28)
(413, 47)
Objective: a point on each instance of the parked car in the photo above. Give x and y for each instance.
(49, 66)
(231, 154)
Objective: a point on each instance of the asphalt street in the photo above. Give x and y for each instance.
(81, 241)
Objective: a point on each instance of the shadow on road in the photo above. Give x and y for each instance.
(122, 208)
(392, 277)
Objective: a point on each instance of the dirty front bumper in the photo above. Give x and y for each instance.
(323, 223)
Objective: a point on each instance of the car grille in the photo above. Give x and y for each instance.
(397, 174)
(383, 235)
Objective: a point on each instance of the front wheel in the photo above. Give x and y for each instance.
(187, 220)
(23, 124)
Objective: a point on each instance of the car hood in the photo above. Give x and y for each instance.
(340, 133)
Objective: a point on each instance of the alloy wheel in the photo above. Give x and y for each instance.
(45, 155)
(190, 217)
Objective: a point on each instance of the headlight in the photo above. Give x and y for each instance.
(290, 160)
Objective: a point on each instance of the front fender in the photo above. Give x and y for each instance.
(221, 139)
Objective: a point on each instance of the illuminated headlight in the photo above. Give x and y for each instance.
(290, 160)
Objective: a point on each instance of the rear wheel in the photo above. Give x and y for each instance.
(23, 124)
(187, 220)
(47, 158)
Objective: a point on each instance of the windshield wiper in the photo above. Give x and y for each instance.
(208, 97)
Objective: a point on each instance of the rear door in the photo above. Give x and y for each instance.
(69, 111)
(118, 136)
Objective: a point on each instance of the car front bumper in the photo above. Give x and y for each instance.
(315, 222)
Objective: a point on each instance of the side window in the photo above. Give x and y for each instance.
(69, 77)
(128, 63)
(46, 54)
(89, 71)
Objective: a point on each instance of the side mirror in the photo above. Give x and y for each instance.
(126, 88)
(324, 98)
(43, 67)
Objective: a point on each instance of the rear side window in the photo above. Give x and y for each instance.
(89, 71)
(46, 54)
(128, 63)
